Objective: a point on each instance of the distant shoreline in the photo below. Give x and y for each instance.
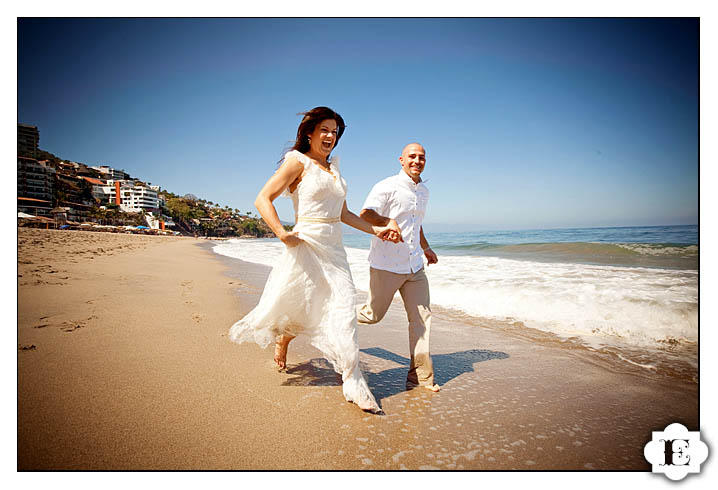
(121, 229)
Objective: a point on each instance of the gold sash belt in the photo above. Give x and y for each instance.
(310, 219)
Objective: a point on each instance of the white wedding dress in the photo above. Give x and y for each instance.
(310, 290)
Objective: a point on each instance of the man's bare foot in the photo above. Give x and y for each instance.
(434, 387)
(280, 351)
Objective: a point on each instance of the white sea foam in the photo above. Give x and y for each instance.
(599, 304)
(658, 249)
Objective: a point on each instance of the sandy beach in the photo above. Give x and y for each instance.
(124, 364)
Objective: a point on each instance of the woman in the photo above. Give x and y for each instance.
(310, 290)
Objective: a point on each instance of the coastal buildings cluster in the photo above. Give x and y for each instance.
(44, 185)
(66, 193)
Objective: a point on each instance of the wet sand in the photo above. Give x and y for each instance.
(124, 364)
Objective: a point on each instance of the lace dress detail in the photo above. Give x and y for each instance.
(310, 291)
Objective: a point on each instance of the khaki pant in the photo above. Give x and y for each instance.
(414, 290)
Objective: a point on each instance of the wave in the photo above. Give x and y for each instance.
(629, 293)
(638, 305)
(663, 255)
(595, 248)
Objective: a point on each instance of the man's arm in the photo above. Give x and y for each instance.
(373, 218)
(428, 252)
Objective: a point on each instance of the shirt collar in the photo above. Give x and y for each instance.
(403, 175)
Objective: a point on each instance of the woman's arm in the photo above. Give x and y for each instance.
(374, 218)
(290, 171)
(383, 232)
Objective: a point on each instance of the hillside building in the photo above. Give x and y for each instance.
(34, 179)
(28, 137)
(109, 173)
(131, 196)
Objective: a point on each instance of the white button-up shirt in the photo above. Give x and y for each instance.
(398, 197)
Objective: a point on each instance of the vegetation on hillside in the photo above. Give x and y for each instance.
(207, 218)
(113, 216)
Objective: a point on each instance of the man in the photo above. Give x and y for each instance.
(401, 201)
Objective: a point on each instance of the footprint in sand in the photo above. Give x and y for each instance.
(66, 326)
(186, 287)
(71, 326)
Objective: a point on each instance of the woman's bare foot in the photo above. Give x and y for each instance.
(369, 406)
(280, 350)
(374, 409)
(433, 388)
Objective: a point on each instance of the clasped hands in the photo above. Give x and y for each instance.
(390, 233)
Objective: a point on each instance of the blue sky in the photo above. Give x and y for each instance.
(527, 123)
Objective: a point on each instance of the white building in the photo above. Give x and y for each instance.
(139, 197)
(112, 173)
(160, 199)
(134, 196)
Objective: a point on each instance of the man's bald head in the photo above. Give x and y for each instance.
(413, 160)
(418, 145)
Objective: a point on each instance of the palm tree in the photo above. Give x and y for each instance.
(98, 214)
(60, 196)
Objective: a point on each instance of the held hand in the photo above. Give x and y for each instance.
(291, 239)
(431, 256)
(394, 226)
(387, 234)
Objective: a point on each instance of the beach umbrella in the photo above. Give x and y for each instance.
(24, 215)
(63, 227)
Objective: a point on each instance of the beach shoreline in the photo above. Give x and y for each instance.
(124, 364)
(635, 318)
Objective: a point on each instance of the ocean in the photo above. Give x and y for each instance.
(632, 291)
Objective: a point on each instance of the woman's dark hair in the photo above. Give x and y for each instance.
(310, 121)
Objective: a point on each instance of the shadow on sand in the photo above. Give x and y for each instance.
(389, 382)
